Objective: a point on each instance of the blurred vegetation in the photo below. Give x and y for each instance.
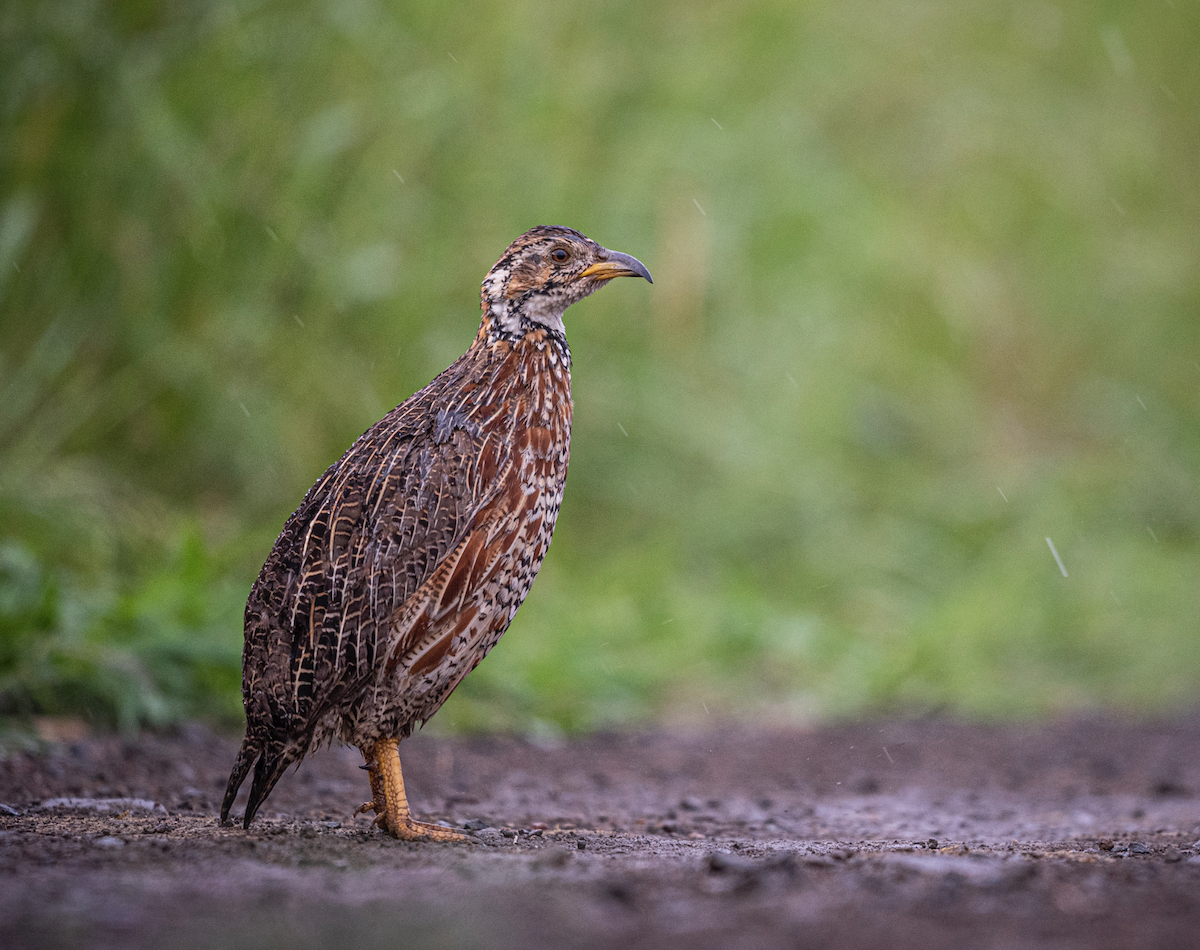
(927, 293)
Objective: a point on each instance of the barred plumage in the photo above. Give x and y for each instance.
(408, 559)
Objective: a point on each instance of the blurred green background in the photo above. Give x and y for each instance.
(927, 293)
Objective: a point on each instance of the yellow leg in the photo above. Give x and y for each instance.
(390, 803)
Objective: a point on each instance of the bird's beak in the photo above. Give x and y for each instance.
(616, 264)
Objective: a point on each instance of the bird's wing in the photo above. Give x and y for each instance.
(370, 534)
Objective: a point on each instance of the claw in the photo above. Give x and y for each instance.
(365, 806)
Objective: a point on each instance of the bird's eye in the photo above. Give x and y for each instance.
(559, 254)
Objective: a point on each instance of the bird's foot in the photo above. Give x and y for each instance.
(407, 828)
(390, 803)
(410, 829)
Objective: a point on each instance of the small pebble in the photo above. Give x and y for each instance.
(1172, 855)
(1105, 844)
(1140, 847)
(581, 845)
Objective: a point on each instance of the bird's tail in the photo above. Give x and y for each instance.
(267, 771)
(245, 758)
(272, 762)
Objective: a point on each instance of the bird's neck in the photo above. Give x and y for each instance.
(519, 322)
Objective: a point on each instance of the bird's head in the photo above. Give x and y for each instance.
(543, 272)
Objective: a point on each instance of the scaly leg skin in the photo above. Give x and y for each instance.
(390, 803)
(376, 804)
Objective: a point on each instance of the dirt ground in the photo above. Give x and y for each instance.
(891, 834)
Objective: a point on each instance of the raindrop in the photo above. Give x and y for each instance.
(1118, 52)
(274, 236)
(623, 432)
(1140, 403)
(398, 175)
(451, 55)
(244, 409)
(1002, 495)
(296, 317)
(1057, 559)
(718, 125)
(698, 208)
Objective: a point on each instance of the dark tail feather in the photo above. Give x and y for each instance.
(245, 758)
(270, 768)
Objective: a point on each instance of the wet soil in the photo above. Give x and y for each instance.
(889, 834)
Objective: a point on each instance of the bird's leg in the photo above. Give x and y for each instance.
(376, 804)
(390, 803)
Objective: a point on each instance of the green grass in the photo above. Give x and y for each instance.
(927, 292)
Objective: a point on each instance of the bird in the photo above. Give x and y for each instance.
(408, 558)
